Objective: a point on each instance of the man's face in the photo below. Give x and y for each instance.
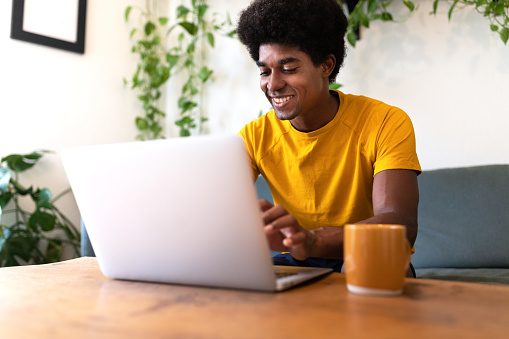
(291, 82)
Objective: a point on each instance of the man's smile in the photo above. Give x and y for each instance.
(281, 100)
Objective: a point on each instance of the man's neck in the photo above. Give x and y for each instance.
(321, 117)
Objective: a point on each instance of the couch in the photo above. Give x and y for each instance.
(463, 224)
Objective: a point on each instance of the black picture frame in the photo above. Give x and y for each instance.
(17, 32)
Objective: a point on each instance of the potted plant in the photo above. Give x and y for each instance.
(37, 236)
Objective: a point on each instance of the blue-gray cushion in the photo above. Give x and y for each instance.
(263, 190)
(477, 275)
(86, 246)
(463, 218)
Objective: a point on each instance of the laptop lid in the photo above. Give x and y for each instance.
(180, 210)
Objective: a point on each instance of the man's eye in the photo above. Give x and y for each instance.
(289, 70)
(264, 73)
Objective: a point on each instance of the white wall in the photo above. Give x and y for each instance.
(452, 78)
(52, 98)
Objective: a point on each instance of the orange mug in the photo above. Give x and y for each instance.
(376, 259)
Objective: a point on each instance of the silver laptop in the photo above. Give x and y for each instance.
(181, 211)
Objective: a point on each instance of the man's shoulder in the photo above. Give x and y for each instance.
(263, 134)
(267, 124)
(363, 103)
(360, 109)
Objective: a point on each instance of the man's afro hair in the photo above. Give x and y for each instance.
(316, 27)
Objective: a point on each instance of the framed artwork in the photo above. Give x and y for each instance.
(54, 23)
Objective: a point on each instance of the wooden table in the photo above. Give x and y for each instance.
(72, 299)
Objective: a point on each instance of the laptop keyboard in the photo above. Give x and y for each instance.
(284, 274)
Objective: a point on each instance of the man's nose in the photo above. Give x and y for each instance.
(275, 82)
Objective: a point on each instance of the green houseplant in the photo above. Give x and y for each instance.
(365, 11)
(37, 236)
(192, 34)
(497, 12)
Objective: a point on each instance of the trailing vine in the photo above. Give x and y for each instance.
(152, 71)
(365, 11)
(497, 12)
(192, 33)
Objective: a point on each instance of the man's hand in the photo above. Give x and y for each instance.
(284, 233)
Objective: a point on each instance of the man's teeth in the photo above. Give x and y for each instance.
(281, 100)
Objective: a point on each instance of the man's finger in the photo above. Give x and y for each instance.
(285, 221)
(294, 239)
(264, 205)
(273, 214)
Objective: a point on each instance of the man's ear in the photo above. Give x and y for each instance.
(328, 65)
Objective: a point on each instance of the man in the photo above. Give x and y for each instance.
(329, 158)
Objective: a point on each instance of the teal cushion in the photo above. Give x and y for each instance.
(463, 218)
(477, 275)
(263, 190)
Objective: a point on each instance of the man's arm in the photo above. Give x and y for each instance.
(395, 200)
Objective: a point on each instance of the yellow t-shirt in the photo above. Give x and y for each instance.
(325, 177)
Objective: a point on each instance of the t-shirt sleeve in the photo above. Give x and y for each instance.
(395, 143)
(248, 138)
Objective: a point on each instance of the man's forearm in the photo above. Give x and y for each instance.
(395, 219)
(328, 241)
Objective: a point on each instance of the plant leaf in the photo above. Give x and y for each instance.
(189, 27)
(20, 162)
(141, 123)
(435, 6)
(5, 198)
(372, 6)
(504, 35)
(335, 85)
(386, 16)
(210, 38)
(133, 31)
(449, 15)
(127, 12)
(47, 221)
(149, 28)
(352, 38)
(41, 219)
(163, 21)
(182, 11)
(409, 4)
(187, 106)
(201, 10)
(43, 196)
(205, 74)
(364, 20)
(172, 59)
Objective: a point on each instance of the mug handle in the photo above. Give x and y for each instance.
(409, 254)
